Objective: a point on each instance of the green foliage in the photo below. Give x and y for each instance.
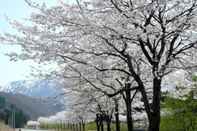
(194, 78)
(2, 102)
(91, 126)
(20, 119)
(6, 113)
(182, 114)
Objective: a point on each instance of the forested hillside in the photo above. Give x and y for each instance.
(6, 114)
(29, 105)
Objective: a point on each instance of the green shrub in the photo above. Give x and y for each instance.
(182, 114)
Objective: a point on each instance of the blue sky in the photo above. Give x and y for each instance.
(9, 70)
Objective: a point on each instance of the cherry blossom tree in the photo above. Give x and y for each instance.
(136, 41)
(102, 83)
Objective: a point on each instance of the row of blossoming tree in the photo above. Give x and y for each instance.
(112, 52)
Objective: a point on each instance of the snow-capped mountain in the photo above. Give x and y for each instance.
(46, 91)
(40, 88)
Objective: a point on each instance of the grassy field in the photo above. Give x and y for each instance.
(89, 127)
(92, 127)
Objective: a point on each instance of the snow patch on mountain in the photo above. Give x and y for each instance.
(49, 91)
(40, 88)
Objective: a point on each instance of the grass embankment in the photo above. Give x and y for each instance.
(88, 127)
(3, 127)
(92, 127)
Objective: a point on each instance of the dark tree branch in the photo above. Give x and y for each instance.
(186, 12)
(112, 69)
(142, 45)
(132, 98)
(122, 90)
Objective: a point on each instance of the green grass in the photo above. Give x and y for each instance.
(91, 126)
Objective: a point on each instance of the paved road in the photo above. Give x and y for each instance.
(30, 130)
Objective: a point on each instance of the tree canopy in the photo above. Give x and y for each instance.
(115, 46)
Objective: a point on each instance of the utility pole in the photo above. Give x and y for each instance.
(14, 122)
(13, 118)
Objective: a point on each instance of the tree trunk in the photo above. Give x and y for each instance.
(108, 120)
(80, 123)
(101, 124)
(97, 122)
(117, 115)
(129, 109)
(98, 126)
(154, 121)
(108, 125)
(76, 127)
(84, 126)
(68, 125)
(72, 129)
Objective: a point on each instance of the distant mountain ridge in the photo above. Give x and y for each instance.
(39, 88)
(35, 98)
(32, 107)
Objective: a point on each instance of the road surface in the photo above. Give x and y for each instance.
(30, 130)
